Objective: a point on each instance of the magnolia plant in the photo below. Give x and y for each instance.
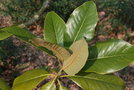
(89, 66)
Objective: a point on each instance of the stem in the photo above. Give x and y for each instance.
(59, 83)
(59, 73)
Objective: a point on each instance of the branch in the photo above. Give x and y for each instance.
(36, 16)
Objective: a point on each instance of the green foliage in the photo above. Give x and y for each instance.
(4, 35)
(105, 54)
(23, 10)
(54, 28)
(81, 23)
(20, 10)
(3, 85)
(59, 51)
(61, 87)
(121, 10)
(103, 58)
(79, 57)
(104, 82)
(49, 86)
(65, 7)
(29, 80)
(23, 34)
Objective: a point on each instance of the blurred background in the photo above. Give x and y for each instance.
(116, 20)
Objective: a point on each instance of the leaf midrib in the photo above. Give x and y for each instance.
(57, 50)
(54, 49)
(80, 26)
(54, 31)
(31, 79)
(109, 56)
(98, 80)
(51, 84)
(76, 54)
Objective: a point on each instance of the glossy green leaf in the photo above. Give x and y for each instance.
(49, 86)
(3, 85)
(109, 56)
(19, 32)
(82, 22)
(59, 51)
(29, 79)
(4, 35)
(22, 34)
(78, 59)
(54, 28)
(98, 82)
